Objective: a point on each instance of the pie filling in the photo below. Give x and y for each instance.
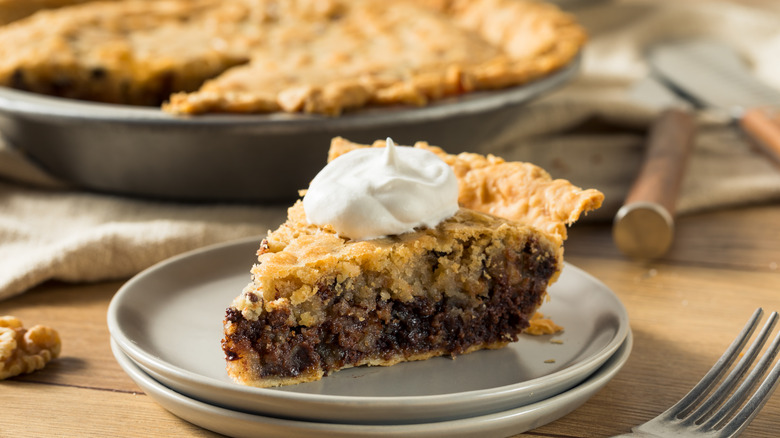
(358, 327)
(115, 85)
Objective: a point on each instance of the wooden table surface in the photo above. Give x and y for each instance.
(684, 310)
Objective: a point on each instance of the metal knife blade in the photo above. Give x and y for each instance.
(713, 75)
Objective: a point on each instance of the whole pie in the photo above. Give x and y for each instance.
(318, 302)
(260, 56)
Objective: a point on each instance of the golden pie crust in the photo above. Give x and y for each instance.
(260, 56)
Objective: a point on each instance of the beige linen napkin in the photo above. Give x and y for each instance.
(588, 132)
(81, 237)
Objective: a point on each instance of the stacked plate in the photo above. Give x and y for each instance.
(166, 327)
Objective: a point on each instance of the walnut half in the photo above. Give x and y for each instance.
(23, 350)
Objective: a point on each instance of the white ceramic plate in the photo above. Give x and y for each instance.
(500, 424)
(168, 320)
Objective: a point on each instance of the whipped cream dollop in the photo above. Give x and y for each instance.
(375, 192)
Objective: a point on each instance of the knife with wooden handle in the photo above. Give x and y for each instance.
(643, 228)
(715, 76)
(711, 75)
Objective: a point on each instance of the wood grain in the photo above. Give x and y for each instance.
(684, 309)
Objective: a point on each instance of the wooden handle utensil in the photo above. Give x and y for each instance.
(763, 126)
(644, 227)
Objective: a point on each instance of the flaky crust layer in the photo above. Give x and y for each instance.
(515, 190)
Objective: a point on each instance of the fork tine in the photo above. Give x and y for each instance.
(756, 402)
(719, 395)
(741, 394)
(689, 401)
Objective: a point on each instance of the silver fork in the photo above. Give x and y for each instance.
(702, 413)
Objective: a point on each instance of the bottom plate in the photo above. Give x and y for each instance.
(509, 422)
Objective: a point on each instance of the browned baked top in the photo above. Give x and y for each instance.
(315, 56)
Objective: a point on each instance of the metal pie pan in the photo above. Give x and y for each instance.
(145, 152)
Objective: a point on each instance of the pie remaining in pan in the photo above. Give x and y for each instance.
(260, 56)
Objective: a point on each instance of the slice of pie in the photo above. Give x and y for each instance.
(260, 56)
(318, 303)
